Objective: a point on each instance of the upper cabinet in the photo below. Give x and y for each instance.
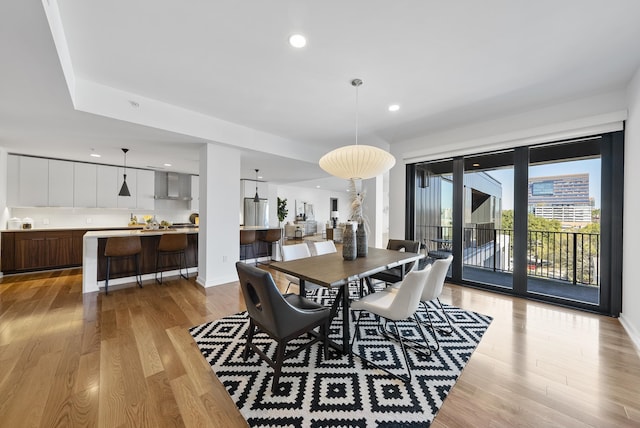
(41, 182)
(145, 183)
(195, 193)
(60, 183)
(85, 182)
(107, 186)
(33, 178)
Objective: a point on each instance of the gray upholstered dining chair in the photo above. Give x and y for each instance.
(283, 318)
(393, 307)
(393, 275)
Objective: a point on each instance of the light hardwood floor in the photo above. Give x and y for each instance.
(127, 359)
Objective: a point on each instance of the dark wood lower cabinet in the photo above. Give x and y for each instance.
(33, 250)
(39, 250)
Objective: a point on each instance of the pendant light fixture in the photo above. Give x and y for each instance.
(124, 190)
(357, 162)
(256, 198)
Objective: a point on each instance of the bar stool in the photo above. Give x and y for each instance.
(122, 247)
(247, 239)
(272, 236)
(170, 244)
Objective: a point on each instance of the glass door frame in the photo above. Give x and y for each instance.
(611, 146)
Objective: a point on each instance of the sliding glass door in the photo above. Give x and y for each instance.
(563, 233)
(488, 219)
(543, 221)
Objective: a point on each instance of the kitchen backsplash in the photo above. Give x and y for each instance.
(55, 218)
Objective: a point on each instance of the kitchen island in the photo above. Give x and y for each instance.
(94, 264)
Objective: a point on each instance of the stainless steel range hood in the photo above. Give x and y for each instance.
(172, 186)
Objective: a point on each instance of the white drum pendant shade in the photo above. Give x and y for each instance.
(357, 161)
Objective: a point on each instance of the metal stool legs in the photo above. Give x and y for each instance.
(181, 256)
(138, 276)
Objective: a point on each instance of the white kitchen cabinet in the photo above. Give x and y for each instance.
(13, 180)
(195, 193)
(60, 183)
(127, 201)
(145, 181)
(33, 177)
(107, 186)
(85, 185)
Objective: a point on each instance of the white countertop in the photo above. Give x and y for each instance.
(138, 232)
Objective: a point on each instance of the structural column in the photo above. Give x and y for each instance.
(219, 237)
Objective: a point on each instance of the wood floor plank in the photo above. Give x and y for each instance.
(127, 359)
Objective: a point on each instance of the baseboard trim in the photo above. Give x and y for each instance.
(631, 331)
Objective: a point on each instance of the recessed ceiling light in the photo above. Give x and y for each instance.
(476, 164)
(394, 107)
(167, 164)
(317, 187)
(297, 41)
(260, 177)
(94, 155)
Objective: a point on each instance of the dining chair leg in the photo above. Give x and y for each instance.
(247, 345)
(441, 330)
(404, 353)
(278, 366)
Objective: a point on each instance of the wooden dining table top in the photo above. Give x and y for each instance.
(331, 270)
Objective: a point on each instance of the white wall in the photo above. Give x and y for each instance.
(5, 213)
(318, 197)
(586, 116)
(630, 316)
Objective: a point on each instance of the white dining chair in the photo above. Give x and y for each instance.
(431, 292)
(325, 247)
(395, 306)
(294, 252)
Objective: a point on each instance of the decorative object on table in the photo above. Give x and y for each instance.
(349, 246)
(124, 190)
(362, 234)
(357, 161)
(341, 387)
(362, 240)
(165, 224)
(133, 220)
(282, 210)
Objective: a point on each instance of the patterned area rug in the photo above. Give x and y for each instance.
(341, 391)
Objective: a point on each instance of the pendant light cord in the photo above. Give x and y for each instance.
(357, 83)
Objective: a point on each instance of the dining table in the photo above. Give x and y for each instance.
(334, 272)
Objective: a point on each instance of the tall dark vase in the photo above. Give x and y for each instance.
(362, 240)
(349, 246)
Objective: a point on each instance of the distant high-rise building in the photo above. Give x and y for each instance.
(561, 197)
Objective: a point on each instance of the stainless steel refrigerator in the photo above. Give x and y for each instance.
(256, 213)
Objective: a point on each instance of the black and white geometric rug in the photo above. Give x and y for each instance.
(341, 391)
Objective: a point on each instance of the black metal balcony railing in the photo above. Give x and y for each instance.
(566, 256)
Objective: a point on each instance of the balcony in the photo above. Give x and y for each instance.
(560, 264)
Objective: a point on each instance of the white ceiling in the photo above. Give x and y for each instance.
(445, 63)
